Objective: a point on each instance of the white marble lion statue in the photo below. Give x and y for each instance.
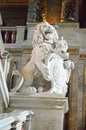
(49, 59)
(44, 40)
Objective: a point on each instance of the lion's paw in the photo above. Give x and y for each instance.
(28, 90)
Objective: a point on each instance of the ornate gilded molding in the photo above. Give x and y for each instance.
(82, 56)
(73, 51)
(27, 50)
(15, 52)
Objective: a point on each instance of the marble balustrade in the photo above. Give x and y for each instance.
(12, 34)
(15, 120)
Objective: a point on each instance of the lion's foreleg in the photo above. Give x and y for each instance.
(44, 69)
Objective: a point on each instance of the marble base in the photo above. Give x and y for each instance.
(48, 109)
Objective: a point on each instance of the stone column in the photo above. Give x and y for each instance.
(73, 92)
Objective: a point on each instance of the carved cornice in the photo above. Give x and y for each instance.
(42, 101)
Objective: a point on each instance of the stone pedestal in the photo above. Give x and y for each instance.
(48, 109)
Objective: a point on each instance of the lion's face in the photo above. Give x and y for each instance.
(44, 33)
(46, 28)
(48, 32)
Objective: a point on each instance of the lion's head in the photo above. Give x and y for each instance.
(44, 33)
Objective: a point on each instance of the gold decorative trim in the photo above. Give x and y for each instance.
(20, 52)
(27, 50)
(15, 52)
(73, 51)
(83, 56)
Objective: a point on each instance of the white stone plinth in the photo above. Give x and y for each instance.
(48, 109)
